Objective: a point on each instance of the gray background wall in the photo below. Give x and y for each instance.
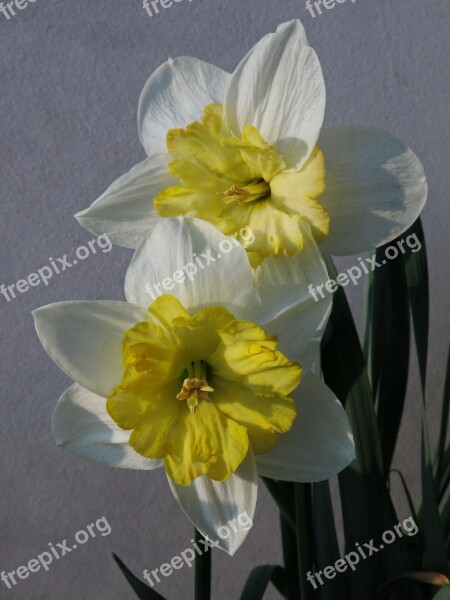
(72, 71)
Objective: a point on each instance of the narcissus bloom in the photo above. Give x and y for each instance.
(197, 380)
(248, 149)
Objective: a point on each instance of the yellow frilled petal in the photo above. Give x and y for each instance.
(204, 443)
(198, 387)
(196, 335)
(274, 230)
(201, 195)
(148, 351)
(262, 416)
(201, 142)
(296, 193)
(146, 407)
(261, 158)
(166, 308)
(250, 357)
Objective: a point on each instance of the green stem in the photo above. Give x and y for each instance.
(305, 541)
(290, 559)
(202, 571)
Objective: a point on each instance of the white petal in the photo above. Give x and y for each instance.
(279, 88)
(187, 246)
(320, 443)
(85, 339)
(215, 507)
(125, 211)
(174, 96)
(375, 188)
(282, 304)
(300, 330)
(83, 427)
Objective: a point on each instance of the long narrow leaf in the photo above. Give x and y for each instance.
(444, 478)
(443, 594)
(366, 505)
(444, 431)
(326, 542)
(143, 592)
(435, 556)
(445, 520)
(283, 500)
(391, 346)
(407, 494)
(345, 373)
(305, 539)
(259, 580)
(290, 560)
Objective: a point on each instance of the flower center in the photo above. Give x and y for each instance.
(236, 182)
(194, 390)
(260, 190)
(195, 387)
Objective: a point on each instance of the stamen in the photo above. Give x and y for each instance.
(193, 391)
(195, 387)
(236, 192)
(258, 190)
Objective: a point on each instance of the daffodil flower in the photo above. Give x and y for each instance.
(197, 381)
(248, 149)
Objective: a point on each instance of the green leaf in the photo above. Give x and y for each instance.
(443, 462)
(444, 474)
(259, 579)
(445, 519)
(366, 506)
(443, 594)
(283, 500)
(418, 287)
(345, 373)
(390, 348)
(142, 591)
(435, 556)
(305, 539)
(407, 493)
(289, 544)
(326, 543)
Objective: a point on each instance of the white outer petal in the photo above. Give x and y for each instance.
(320, 443)
(279, 88)
(175, 95)
(83, 427)
(85, 339)
(282, 304)
(375, 188)
(210, 505)
(125, 212)
(171, 247)
(300, 330)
